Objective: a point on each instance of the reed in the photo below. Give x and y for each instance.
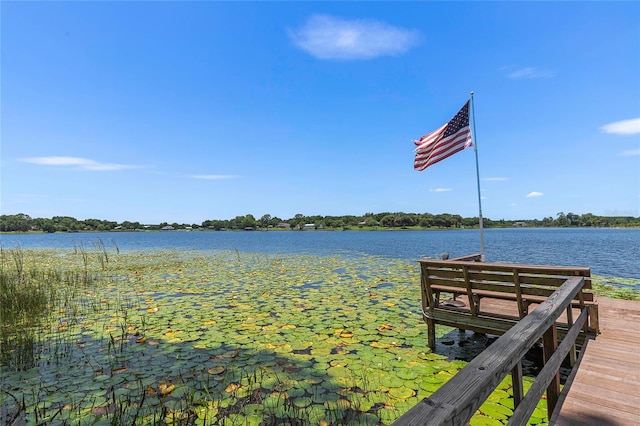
(106, 346)
(26, 296)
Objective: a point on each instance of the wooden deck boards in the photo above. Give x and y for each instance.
(605, 390)
(606, 387)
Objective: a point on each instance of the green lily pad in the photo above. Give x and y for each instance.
(484, 421)
(302, 401)
(495, 411)
(407, 374)
(401, 392)
(498, 395)
(295, 332)
(391, 381)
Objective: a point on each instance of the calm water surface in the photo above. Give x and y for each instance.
(609, 252)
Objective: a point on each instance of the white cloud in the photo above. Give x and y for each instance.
(327, 37)
(441, 190)
(534, 194)
(78, 163)
(496, 179)
(623, 127)
(212, 177)
(630, 153)
(526, 73)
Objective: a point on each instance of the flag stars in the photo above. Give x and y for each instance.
(460, 120)
(445, 141)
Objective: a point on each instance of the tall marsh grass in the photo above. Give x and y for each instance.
(26, 294)
(89, 336)
(29, 292)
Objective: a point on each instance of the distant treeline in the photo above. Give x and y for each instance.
(24, 223)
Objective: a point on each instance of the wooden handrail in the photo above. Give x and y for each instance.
(468, 258)
(547, 375)
(455, 402)
(536, 269)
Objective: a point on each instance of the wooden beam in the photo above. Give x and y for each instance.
(549, 344)
(546, 375)
(517, 385)
(457, 400)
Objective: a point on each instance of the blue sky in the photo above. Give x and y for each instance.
(188, 111)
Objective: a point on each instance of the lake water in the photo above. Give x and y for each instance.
(608, 252)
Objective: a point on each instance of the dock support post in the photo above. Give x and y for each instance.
(431, 333)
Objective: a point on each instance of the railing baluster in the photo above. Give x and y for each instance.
(516, 384)
(456, 401)
(549, 344)
(572, 353)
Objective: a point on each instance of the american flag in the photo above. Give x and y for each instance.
(445, 141)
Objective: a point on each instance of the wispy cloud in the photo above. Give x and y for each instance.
(213, 177)
(79, 163)
(630, 153)
(327, 37)
(496, 179)
(623, 127)
(526, 73)
(441, 190)
(534, 194)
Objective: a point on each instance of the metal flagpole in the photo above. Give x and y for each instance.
(475, 148)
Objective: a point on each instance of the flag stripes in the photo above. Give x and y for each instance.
(447, 140)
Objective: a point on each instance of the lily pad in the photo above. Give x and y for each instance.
(401, 392)
(484, 421)
(495, 411)
(391, 381)
(227, 327)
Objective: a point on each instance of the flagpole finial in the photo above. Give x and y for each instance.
(472, 93)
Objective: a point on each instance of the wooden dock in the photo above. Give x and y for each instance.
(605, 389)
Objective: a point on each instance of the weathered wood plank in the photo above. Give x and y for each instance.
(487, 321)
(623, 398)
(457, 400)
(622, 338)
(586, 414)
(473, 304)
(517, 384)
(529, 288)
(597, 409)
(537, 269)
(615, 349)
(606, 387)
(477, 257)
(549, 373)
(605, 363)
(609, 377)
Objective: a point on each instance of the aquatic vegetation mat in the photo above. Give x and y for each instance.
(617, 288)
(229, 338)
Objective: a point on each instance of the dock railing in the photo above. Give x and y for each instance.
(455, 402)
